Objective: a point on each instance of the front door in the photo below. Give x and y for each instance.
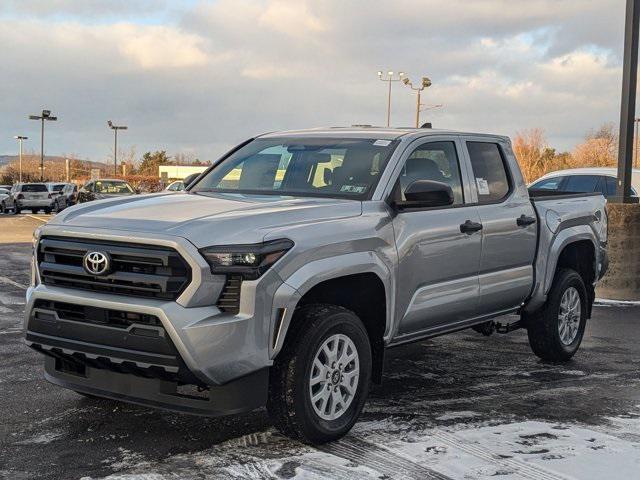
(438, 262)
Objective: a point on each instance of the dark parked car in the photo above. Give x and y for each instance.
(104, 188)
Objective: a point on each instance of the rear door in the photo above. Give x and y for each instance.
(509, 230)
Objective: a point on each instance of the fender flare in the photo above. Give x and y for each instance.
(304, 279)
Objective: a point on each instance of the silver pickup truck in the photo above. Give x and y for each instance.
(284, 272)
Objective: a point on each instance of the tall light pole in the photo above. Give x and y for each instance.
(115, 129)
(46, 115)
(628, 102)
(635, 158)
(425, 83)
(20, 138)
(390, 78)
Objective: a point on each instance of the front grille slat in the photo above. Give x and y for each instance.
(137, 270)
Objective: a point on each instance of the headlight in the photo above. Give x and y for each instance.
(250, 261)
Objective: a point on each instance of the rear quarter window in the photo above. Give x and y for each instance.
(34, 188)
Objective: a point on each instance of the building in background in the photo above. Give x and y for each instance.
(179, 172)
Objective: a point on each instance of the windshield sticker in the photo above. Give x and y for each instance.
(382, 143)
(483, 186)
(353, 188)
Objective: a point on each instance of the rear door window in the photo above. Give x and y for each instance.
(489, 171)
(582, 183)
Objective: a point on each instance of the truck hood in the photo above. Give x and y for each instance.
(206, 218)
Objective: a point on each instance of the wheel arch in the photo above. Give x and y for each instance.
(360, 282)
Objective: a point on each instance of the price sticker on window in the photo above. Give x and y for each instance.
(483, 186)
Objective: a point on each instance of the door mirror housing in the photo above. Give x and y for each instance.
(426, 194)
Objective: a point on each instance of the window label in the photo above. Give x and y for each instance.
(483, 186)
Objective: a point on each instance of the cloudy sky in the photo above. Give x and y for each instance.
(200, 76)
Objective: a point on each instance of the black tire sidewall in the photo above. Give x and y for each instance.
(568, 279)
(314, 427)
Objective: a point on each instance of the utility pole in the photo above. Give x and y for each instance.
(628, 103)
(426, 83)
(635, 158)
(115, 129)
(390, 79)
(20, 138)
(45, 115)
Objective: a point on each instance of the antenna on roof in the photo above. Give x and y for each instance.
(426, 125)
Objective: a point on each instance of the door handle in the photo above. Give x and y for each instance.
(524, 220)
(470, 227)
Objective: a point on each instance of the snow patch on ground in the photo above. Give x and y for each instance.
(604, 302)
(457, 415)
(43, 438)
(402, 449)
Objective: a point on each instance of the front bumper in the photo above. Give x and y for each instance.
(241, 395)
(48, 203)
(225, 354)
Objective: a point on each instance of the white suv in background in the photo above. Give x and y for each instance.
(31, 196)
(585, 180)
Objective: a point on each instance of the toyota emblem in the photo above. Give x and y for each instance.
(97, 263)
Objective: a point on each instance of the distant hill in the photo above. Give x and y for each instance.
(7, 159)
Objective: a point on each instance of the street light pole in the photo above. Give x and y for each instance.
(635, 158)
(115, 129)
(425, 83)
(46, 115)
(628, 103)
(20, 138)
(389, 79)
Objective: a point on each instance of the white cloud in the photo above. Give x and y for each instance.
(202, 76)
(160, 47)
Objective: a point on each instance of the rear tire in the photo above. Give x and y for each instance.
(47, 211)
(556, 330)
(327, 357)
(3, 208)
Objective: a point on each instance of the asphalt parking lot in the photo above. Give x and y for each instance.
(462, 406)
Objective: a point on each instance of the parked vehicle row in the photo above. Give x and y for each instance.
(288, 268)
(54, 197)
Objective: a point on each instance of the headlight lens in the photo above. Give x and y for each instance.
(250, 261)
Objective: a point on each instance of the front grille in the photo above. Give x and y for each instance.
(229, 300)
(138, 270)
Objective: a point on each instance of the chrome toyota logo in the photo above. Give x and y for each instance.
(97, 263)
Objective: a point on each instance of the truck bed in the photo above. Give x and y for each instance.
(563, 216)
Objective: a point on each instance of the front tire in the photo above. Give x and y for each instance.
(556, 330)
(320, 381)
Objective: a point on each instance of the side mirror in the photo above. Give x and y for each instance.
(427, 194)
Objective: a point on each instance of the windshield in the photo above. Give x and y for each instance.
(34, 187)
(112, 187)
(325, 167)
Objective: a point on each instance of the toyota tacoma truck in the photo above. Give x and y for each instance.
(281, 276)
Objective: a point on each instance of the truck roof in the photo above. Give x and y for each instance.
(366, 131)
